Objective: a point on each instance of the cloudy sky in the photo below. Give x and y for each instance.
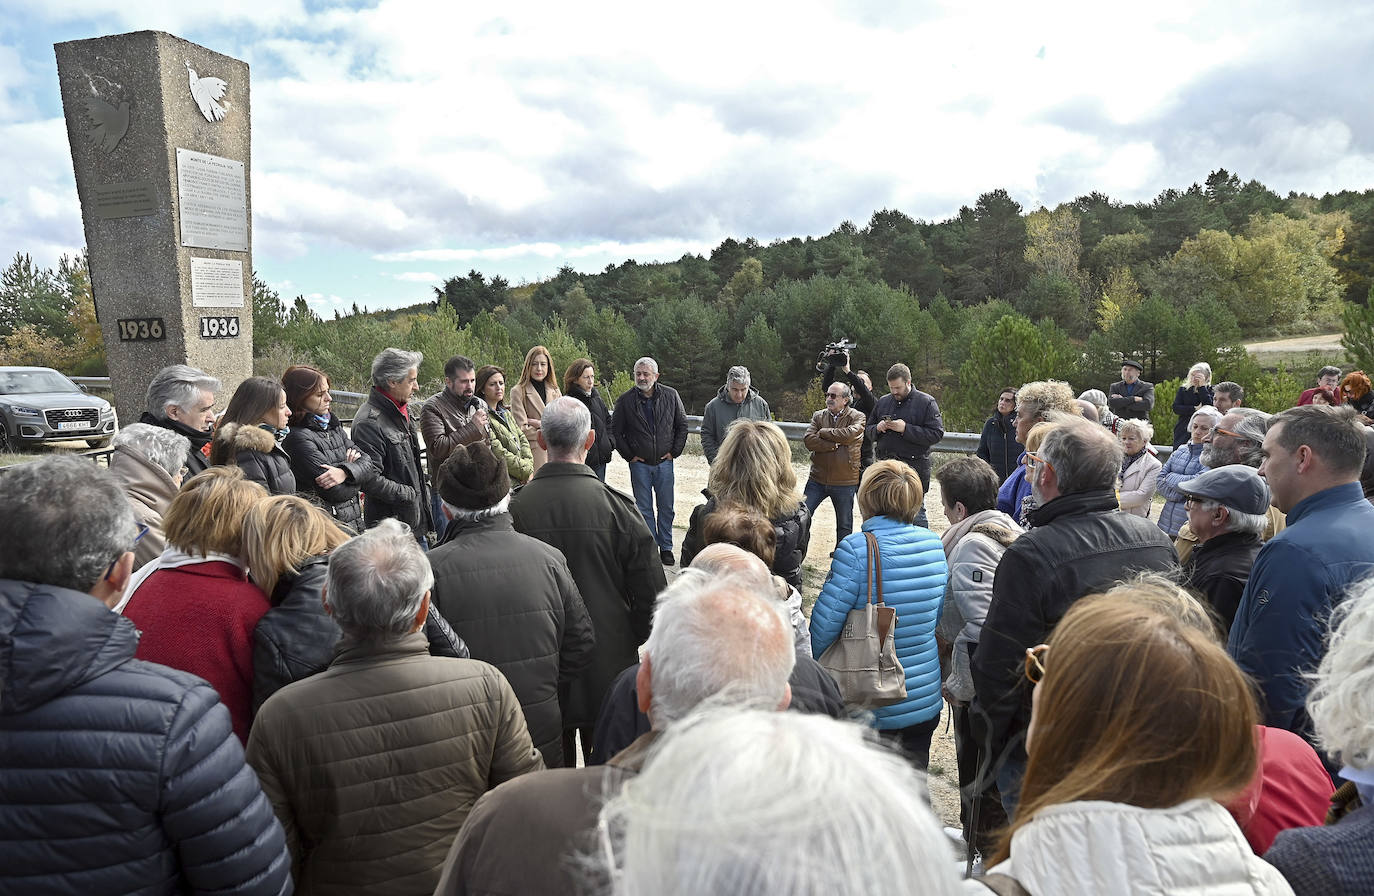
(399, 142)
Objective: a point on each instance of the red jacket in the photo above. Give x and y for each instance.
(200, 619)
(1290, 789)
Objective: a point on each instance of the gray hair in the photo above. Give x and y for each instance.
(472, 516)
(1205, 368)
(724, 559)
(848, 390)
(1328, 370)
(165, 448)
(1085, 457)
(716, 637)
(392, 365)
(377, 581)
(1143, 428)
(755, 802)
(1249, 436)
(1207, 412)
(737, 374)
(66, 521)
(180, 385)
(1097, 397)
(565, 423)
(1237, 520)
(648, 362)
(1235, 390)
(1341, 701)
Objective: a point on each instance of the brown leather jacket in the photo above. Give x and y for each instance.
(445, 425)
(836, 443)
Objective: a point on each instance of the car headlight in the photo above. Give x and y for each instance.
(25, 412)
(107, 412)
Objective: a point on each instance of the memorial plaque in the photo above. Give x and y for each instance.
(216, 283)
(131, 199)
(213, 196)
(219, 328)
(142, 329)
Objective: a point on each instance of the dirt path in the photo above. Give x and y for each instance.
(690, 472)
(1324, 342)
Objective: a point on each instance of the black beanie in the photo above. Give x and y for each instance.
(472, 478)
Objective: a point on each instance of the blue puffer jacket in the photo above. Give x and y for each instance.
(118, 776)
(1184, 464)
(914, 576)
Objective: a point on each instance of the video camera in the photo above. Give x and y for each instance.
(835, 354)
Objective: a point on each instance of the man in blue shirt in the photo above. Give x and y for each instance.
(1312, 461)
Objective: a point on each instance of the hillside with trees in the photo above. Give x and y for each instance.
(995, 295)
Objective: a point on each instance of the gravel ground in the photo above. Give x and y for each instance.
(690, 472)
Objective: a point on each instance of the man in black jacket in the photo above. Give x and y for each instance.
(120, 776)
(1081, 543)
(1131, 397)
(1227, 510)
(904, 424)
(510, 596)
(385, 431)
(182, 399)
(650, 428)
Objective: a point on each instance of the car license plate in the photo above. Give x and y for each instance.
(73, 424)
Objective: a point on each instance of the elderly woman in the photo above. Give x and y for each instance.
(579, 381)
(537, 386)
(1034, 404)
(195, 606)
(1098, 399)
(1184, 463)
(753, 471)
(1195, 392)
(1127, 765)
(149, 463)
(1139, 468)
(1337, 860)
(1356, 392)
(914, 574)
(251, 432)
(324, 459)
(508, 440)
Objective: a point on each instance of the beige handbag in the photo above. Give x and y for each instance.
(863, 660)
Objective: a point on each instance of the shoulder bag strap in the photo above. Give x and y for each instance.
(875, 568)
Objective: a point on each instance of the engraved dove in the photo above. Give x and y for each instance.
(108, 124)
(205, 91)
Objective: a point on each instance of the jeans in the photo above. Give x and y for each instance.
(599, 470)
(913, 741)
(653, 484)
(841, 496)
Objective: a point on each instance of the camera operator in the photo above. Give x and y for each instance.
(836, 363)
(455, 416)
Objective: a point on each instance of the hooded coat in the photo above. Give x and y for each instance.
(721, 412)
(118, 776)
(257, 454)
(150, 491)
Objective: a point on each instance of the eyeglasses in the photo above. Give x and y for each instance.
(142, 531)
(1035, 662)
(1034, 460)
(1227, 432)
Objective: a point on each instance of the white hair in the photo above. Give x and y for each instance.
(393, 365)
(377, 581)
(756, 803)
(1341, 702)
(1237, 520)
(472, 516)
(716, 637)
(1206, 412)
(1143, 428)
(1205, 368)
(179, 385)
(164, 447)
(723, 559)
(565, 423)
(648, 362)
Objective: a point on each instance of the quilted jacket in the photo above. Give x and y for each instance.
(914, 578)
(257, 454)
(373, 764)
(311, 446)
(118, 776)
(1182, 465)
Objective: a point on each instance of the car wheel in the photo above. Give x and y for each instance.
(6, 443)
(98, 443)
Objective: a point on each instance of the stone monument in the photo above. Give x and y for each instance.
(159, 133)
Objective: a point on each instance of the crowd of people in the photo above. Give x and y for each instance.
(434, 652)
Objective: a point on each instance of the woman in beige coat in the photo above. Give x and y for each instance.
(536, 388)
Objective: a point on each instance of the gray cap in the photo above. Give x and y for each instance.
(1236, 486)
(1132, 362)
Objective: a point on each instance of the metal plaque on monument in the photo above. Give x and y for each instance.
(159, 134)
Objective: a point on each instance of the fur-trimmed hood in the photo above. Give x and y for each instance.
(233, 438)
(998, 532)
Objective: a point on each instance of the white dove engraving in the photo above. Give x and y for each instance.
(108, 124)
(205, 91)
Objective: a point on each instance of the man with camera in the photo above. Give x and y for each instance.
(904, 424)
(455, 416)
(834, 363)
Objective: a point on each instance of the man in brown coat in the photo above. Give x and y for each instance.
(835, 438)
(525, 836)
(373, 764)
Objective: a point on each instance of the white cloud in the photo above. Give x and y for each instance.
(417, 277)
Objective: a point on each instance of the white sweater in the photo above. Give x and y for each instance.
(1096, 848)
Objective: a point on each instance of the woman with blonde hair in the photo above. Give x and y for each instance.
(1139, 468)
(537, 386)
(913, 579)
(195, 605)
(1141, 725)
(753, 471)
(1195, 392)
(287, 542)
